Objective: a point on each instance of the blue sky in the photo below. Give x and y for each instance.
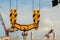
(50, 16)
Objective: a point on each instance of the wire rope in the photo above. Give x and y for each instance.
(16, 4)
(10, 4)
(39, 5)
(32, 5)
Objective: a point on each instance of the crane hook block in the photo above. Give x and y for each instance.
(13, 18)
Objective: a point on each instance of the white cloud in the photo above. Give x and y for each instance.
(47, 21)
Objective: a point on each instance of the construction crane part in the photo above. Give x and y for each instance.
(54, 35)
(50, 31)
(6, 32)
(5, 29)
(25, 27)
(13, 17)
(48, 36)
(36, 18)
(24, 33)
